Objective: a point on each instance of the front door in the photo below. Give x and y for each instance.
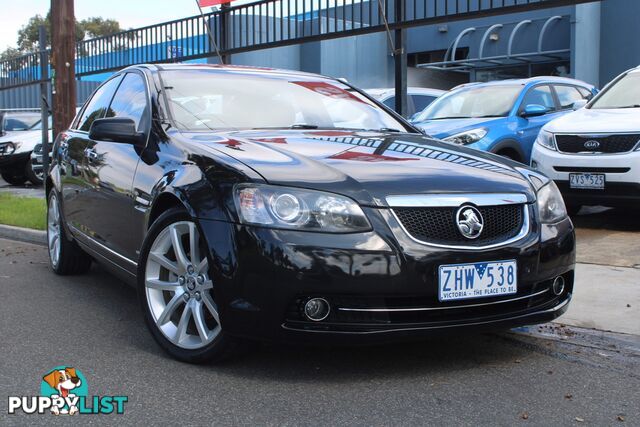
(111, 166)
(73, 144)
(529, 127)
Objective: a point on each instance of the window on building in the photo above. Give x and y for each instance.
(415, 59)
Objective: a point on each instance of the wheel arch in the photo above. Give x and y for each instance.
(510, 146)
(163, 202)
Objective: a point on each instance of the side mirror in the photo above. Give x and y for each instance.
(534, 110)
(116, 129)
(579, 104)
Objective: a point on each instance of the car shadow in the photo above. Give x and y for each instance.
(602, 218)
(434, 357)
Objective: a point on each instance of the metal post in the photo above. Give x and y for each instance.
(63, 61)
(224, 33)
(44, 105)
(400, 60)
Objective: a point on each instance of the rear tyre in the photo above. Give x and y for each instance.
(35, 178)
(177, 292)
(65, 256)
(13, 177)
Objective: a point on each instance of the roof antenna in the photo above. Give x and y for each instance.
(213, 42)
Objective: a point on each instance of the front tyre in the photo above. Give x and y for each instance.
(176, 291)
(13, 176)
(65, 256)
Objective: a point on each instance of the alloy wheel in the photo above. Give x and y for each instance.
(178, 287)
(53, 230)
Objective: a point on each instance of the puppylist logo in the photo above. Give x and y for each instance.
(64, 391)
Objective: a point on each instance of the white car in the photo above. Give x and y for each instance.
(593, 153)
(22, 132)
(418, 98)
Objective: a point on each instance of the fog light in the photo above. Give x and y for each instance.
(534, 164)
(558, 285)
(316, 309)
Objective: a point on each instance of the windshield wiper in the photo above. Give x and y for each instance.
(303, 126)
(387, 130)
(631, 106)
(451, 117)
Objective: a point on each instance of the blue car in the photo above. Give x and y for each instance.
(502, 117)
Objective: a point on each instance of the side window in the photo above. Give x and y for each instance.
(567, 95)
(586, 93)
(539, 95)
(422, 101)
(98, 104)
(130, 100)
(390, 102)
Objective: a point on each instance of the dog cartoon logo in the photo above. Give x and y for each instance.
(64, 385)
(64, 391)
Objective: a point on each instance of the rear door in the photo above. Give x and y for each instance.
(568, 95)
(112, 167)
(76, 181)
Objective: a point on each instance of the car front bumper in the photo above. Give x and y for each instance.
(15, 160)
(622, 175)
(264, 278)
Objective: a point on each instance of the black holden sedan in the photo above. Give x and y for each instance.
(248, 203)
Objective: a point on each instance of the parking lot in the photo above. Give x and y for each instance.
(583, 368)
(550, 375)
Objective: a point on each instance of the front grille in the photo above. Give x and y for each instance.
(438, 225)
(608, 144)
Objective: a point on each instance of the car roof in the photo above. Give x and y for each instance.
(528, 81)
(410, 89)
(225, 67)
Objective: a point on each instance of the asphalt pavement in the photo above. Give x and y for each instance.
(547, 375)
(583, 370)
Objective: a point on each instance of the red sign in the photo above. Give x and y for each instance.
(327, 89)
(209, 3)
(365, 157)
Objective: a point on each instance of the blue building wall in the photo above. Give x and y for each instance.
(600, 35)
(619, 37)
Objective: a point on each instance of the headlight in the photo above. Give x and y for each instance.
(292, 208)
(10, 148)
(550, 204)
(467, 137)
(546, 139)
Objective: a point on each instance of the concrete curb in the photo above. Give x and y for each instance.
(23, 234)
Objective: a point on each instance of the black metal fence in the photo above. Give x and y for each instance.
(259, 25)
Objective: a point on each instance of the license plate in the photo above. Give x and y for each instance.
(477, 280)
(587, 180)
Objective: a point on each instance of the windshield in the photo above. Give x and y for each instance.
(210, 99)
(472, 102)
(17, 122)
(625, 93)
(38, 124)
